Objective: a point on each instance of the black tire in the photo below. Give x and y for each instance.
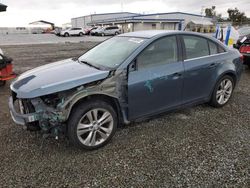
(2, 83)
(116, 33)
(66, 34)
(79, 112)
(81, 34)
(103, 35)
(214, 102)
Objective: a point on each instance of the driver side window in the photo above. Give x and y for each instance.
(160, 52)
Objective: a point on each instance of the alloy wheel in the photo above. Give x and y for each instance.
(224, 91)
(95, 127)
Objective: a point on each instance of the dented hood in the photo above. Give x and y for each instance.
(55, 77)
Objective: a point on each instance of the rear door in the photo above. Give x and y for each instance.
(200, 64)
(107, 30)
(156, 84)
(73, 31)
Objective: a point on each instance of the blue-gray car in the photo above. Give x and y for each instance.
(129, 77)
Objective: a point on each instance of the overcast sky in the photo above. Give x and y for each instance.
(22, 12)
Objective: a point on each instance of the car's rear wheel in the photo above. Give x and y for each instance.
(103, 34)
(66, 35)
(81, 34)
(223, 91)
(116, 33)
(92, 124)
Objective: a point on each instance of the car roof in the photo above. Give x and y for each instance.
(153, 33)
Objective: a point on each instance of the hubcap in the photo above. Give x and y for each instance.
(224, 91)
(95, 127)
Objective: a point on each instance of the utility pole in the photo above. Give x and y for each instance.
(202, 10)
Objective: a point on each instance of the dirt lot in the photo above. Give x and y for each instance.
(196, 147)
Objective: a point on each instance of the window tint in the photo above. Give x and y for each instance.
(160, 52)
(195, 46)
(213, 48)
(110, 28)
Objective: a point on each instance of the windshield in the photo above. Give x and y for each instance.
(112, 52)
(244, 31)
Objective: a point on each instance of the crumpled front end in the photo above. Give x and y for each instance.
(41, 113)
(50, 112)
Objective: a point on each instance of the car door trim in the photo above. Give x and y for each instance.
(191, 59)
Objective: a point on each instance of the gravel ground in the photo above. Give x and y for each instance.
(195, 147)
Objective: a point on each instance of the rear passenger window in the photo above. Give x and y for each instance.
(221, 49)
(160, 52)
(213, 48)
(195, 46)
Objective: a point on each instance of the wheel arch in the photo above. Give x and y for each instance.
(227, 73)
(111, 100)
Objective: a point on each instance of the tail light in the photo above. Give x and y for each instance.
(245, 49)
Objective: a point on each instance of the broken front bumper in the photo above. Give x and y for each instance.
(19, 118)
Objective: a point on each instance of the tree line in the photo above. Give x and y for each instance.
(234, 15)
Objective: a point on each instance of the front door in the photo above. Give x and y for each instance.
(156, 84)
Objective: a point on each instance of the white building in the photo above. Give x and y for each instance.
(84, 21)
(135, 22)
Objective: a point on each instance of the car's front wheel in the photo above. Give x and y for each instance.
(223, 91)
(92, 124)
(66, 34)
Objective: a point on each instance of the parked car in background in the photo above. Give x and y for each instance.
(6, 69)
(129, 77)
(243, 44)
(88, 30)
(57, 31)
(244, 35)
(245, 50)
(95, 31)
(75, 31)
(105, 31)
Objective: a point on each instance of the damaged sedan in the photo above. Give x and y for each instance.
(129, 77)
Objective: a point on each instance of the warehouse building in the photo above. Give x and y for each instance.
(135, 22)
(85, 21)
